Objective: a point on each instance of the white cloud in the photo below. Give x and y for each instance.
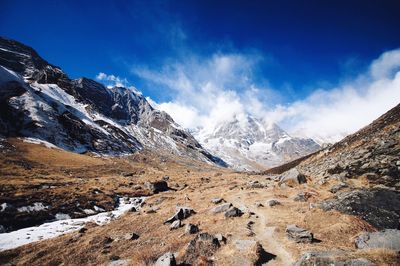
(215, 89)
(111, 80)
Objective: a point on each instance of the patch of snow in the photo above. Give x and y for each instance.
(3, 206)
(56, 228)
(39, 141)
(37, 206)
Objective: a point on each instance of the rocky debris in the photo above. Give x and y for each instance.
(157, 186)
(273, 202)
(255, 184)
(302, 196)
(369, 204)
(293, 176)
(131, 236)
(233, 212)
(258, 204)
(338, 187)
(328, 258)
(203, 245)
(386, 239)
(175, 225)
(217, 200)
(168, 259)
(191, 229)
(222, 208)
(181, 213)
(298, 234)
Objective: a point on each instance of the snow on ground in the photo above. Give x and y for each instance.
(56, 228)
(39, 141)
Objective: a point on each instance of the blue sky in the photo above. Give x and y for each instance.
(284, 51)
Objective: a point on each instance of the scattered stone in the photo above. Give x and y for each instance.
(168, 259)
(220, 238)
(131, 236)
(181, 213)
(251, 252)
(302, 196)
(292, 176)
(298, 234)
(233, 212)
(191, 229)
(259, 204)
(337, 187)
(386, 239)
(156, 187)
(254, 184)
(272, 203)
(203, 245)
(175, 225)
(222, 208)
(217, 200)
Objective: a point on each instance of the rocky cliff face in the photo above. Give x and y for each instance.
(249, 144)
(38, 100)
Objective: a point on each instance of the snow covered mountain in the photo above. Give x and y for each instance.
(38, 100)
(247, 143)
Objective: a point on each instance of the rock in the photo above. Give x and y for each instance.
(386, 239)
(370, 204)
(338, 187)
(203, 245)
(302, 196)
(119, 262)
(165, 178)
(233, 212)
(114, 257)
(131, 236)
(175, 225)
(82, 230)
(217, 200)
(250, 252)
(222, 208)
(259, 204)
(254, 184)
(298, 234)
(272, 203)
(156, 187)
(191, 229)
(328, 258)
(292, 176)
(168, 259)
(181, 213)
(220, 238)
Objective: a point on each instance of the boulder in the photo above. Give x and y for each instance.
(254, 184)
(386, 239)
(292, 176)
(222, 208)
(302, 196)
(203, 245)
(168, 259)
(220, 238)
(217, 200)
(181, 213)
(272, 203)
(337, 187)
(370, 204)
(233, 212)
(328, 258)
(131, 236)
(298, 234)
(175, 225)
(191, 229)
(156, 187)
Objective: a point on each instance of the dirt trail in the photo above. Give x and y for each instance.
(265, 234)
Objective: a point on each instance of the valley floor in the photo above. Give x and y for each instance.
(70, 183)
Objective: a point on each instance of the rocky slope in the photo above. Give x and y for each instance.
(249, 144)
(39, 101)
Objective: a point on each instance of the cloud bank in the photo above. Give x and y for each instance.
(210, 90)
